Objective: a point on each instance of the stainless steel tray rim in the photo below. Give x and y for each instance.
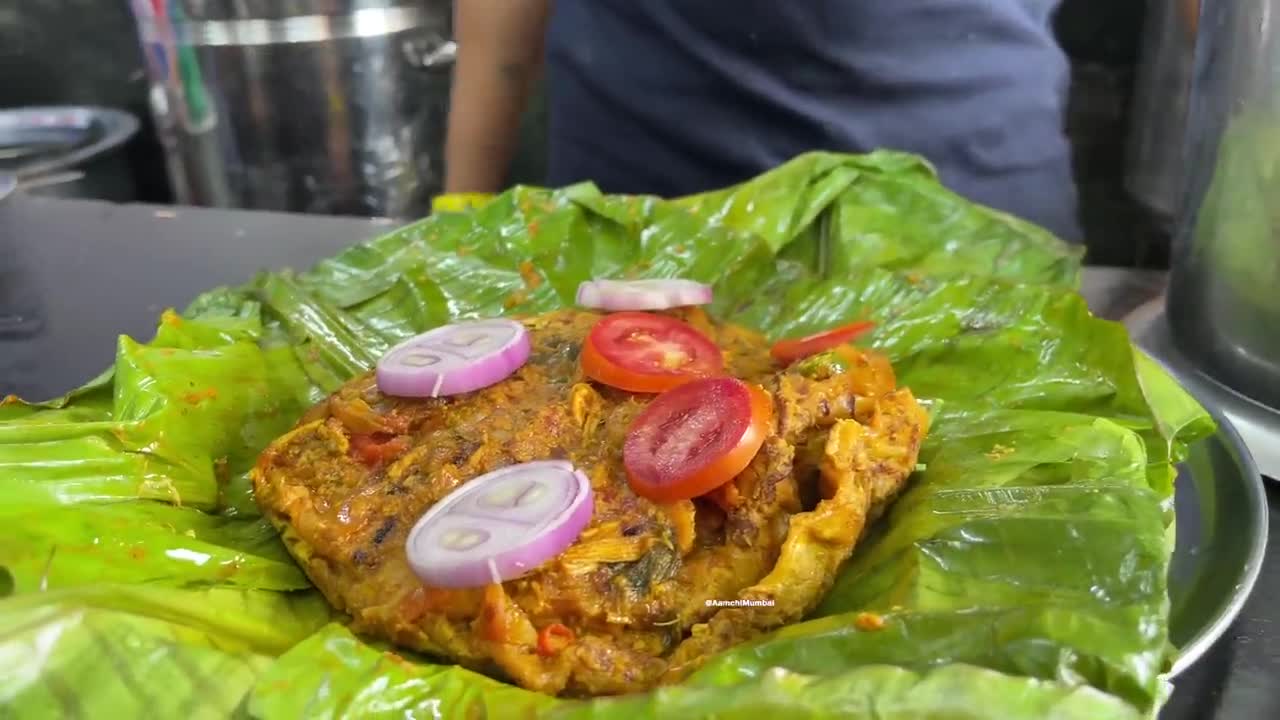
(1254, 526)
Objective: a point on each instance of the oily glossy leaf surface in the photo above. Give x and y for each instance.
(1020, 575)
(141, 542)
(62, 661)
(334, 675)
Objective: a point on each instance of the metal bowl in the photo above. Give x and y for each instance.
(70, 151)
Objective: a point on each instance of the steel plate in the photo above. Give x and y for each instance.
(1221, 526)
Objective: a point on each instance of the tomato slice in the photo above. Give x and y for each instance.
(788, 351)
(640, 352)
(695, 438)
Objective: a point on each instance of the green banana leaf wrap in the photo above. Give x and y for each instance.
(1021, 575)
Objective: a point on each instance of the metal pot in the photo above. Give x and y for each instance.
(321, 106)
(1223, 302)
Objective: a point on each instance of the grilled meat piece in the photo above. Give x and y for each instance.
(347, 484)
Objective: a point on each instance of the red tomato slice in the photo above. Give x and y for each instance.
(695, 438)
(640, 352)
(788, 351)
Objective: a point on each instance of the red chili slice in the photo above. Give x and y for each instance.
(788, 351)
(377, 448)
(695, 438)
(554, 638)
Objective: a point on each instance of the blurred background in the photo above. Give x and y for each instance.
(379, 154)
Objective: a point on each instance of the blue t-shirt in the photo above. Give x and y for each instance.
(672, 97)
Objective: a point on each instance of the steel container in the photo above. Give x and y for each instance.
(1224, 294)
(318, 106)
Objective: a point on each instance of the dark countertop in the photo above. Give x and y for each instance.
(75, 274)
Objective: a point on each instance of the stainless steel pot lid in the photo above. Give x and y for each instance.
(41, 140)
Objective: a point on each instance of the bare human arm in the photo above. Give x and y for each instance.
(1191, 16)
(500, 46)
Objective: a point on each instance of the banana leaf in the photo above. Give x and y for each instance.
(358, 680)
(1022, 574)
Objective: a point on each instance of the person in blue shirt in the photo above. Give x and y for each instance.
(673, 97)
